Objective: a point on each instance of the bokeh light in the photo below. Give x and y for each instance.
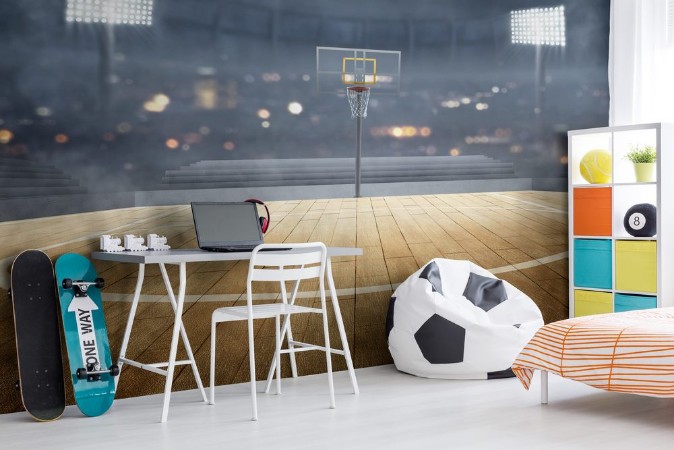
(43, 111)
(172, 143)
(124, 127)
(263, 113)
(157, 103)
(401, 131)
(6, 136)
(295, 108)
(516, 149)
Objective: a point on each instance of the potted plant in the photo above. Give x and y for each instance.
(643, 159)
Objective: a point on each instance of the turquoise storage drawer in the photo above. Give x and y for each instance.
(625, 302)
(592, 263)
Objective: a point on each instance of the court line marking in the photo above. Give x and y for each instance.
(346, 292)
(6, 262)
(540, 205)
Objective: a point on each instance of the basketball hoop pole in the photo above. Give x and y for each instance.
(358, 97)
(359, 136)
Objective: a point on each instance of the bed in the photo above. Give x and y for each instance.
(630, 352)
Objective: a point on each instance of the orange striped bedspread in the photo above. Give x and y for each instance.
(629, 352)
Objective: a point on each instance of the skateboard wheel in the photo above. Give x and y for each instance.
(99, 283)
(81, 374)
(67, 283)
(114, 370)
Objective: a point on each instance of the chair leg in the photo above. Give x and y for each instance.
(251, 353)
(212, 399)
(544, 387)
(291, 346)
(328, 357)
(285, 328)
(277, 356)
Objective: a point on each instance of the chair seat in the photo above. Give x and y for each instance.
(231, 313)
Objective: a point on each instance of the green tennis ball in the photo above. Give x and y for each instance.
(595, 166)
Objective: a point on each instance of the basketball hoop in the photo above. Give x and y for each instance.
(358, 98)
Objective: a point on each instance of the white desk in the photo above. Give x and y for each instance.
(181, 258)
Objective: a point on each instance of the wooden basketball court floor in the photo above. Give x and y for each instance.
(520, 236)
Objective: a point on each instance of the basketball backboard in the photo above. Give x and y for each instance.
(337, 68)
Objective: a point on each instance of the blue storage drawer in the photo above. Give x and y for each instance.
(592, 263)
(625, 302)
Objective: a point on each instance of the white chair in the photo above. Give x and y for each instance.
(307, 261)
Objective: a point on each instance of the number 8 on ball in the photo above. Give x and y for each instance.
(640, 220)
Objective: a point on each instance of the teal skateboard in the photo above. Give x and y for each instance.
(91, 368)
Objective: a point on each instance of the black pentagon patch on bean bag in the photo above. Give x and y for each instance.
(441, 341)
(389, 316)
(432, 273)
(485, 292)
(508, 373)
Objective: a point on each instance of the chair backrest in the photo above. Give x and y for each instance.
(308, 260)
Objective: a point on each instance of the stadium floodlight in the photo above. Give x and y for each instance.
(104, 16)
(538, 26)
(114, 12)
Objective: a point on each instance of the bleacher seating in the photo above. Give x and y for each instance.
(331, 171)
(23, 177)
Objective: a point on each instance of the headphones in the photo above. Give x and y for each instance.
(264, 221)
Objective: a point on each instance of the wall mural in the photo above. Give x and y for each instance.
(115, 128)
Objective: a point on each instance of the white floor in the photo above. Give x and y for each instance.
(393, 411)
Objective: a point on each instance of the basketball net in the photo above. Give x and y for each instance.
(358, 98)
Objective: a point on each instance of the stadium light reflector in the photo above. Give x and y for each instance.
(114, 12)
(538, 26)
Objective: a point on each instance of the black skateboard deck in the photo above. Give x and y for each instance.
(38, 340)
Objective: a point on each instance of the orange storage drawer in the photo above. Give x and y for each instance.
(592, 211)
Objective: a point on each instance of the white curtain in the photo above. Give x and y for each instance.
(641, 62)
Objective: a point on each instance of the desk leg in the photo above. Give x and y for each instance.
(129, 322)
(340, 326)
(183, 333)
(177, 324)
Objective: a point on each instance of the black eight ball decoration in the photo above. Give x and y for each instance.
(640, 220)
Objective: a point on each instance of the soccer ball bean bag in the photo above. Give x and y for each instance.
(454, 319)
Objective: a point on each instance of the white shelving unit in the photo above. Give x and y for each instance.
(592, 234)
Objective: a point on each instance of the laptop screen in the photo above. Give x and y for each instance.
(225, 225)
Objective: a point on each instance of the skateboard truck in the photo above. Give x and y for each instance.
(93, 372)
(81, 287)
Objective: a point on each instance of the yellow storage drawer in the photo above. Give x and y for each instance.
(586, 303)
(636, 266)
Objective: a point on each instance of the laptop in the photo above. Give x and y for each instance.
(227, 227)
